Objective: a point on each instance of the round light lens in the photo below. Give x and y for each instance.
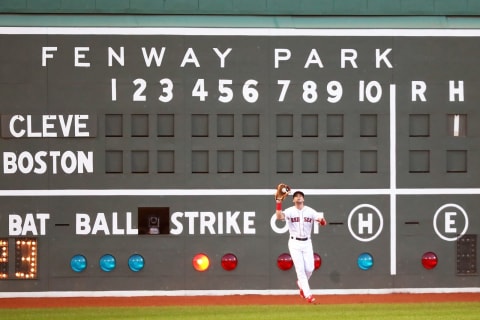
(429, 260)
(365, 261)
(136, 262)
(284, 261)
(107, 263)
(317, 260)
(78, 263)
(229, 262)
(201, 262)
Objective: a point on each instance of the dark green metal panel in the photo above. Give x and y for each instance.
(86, 5)
(44, 5)
(203, 21)
(247, 7)
(111, 5)
(453, 7)
(385, 7)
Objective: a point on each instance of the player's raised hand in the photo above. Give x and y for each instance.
(283, 190)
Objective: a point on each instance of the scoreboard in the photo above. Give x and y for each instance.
(146, 158)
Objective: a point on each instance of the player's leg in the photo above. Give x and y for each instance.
(308, 260)
(296, 253)
(308, 266)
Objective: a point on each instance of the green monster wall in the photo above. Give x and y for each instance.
(136, 135)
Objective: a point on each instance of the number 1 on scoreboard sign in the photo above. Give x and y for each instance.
(114, 89)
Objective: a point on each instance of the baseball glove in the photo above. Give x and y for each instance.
(283, 190)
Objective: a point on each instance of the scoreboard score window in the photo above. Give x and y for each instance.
(25, 258)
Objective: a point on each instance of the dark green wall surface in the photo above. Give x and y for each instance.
(246, 7)
(155, 158)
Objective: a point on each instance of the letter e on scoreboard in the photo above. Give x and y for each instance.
(450, 222)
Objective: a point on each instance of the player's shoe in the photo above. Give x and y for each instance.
(301, 291)
(310, 299)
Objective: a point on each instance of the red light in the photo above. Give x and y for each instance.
(318, 260)
(229, 262)
(201, 262)
(284, 261)
(429, 260)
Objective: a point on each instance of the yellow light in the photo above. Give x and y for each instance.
(201, 262)
(25, 253)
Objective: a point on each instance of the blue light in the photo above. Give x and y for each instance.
(136, 262)
(78, 263)
(365, 261)
(107, 263)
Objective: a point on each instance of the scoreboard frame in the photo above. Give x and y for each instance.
(392, 190)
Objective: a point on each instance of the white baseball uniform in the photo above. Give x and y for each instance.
(300, 224)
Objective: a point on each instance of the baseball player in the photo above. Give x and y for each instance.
(300, 219)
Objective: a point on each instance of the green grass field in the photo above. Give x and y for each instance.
(417, 311)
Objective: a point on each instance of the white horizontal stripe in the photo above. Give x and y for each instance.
(231, 192)
(433, 191)
(181, 293)
(242, 31)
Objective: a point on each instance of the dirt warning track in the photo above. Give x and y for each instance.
(232, 300)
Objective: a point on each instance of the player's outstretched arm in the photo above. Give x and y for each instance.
(279, 212)
(283, 190)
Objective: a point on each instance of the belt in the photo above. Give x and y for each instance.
(299, 239)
